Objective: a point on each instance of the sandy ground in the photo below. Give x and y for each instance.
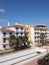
(44, 46)
(33, 46)
(33, 62)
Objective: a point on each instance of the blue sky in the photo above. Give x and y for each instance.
(24, 12)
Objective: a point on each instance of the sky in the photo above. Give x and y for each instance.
(31, 12)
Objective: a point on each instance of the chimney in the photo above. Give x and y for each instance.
(8, 23)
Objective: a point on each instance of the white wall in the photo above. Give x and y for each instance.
(47, 34)
(32, 36)
(12, 28)
(1, 41)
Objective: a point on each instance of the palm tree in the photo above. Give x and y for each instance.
(19, 42)
(12, 41)
(25, 40)
(42, 37)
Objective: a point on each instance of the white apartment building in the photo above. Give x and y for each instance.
(33, 33)
(47, 34)
(4, 35)
(36, 30)
(17, 30)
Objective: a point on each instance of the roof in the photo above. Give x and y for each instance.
(16, 25)
(8, 26)
(6, 30)
(19, 25)
(42, 27)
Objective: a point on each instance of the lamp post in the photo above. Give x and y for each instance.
(46, 40)
(46, 47)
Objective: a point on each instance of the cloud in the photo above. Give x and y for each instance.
(2, 10)
(3, 20)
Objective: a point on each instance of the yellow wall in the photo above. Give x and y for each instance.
(29, 30)
(30, 33)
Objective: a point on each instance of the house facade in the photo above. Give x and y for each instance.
(47, 34)
(37, 30)
(5, 32)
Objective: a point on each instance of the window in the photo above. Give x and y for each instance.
(35, 33)
(21, 33)
(16, 33)
(4, 34)
(35, 29)
(4, 46)
(35, 41)
(4, 40)
(10, 33)
(21, 28)
(38, 29)
(35, 37)
(17, 28)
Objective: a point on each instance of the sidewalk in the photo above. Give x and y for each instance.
(30, 61)
(19, 56)
(12, 58)
(5, 50)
